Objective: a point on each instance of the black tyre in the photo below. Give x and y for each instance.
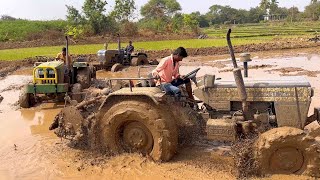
(76, 88)
(137, 126)
(116, 67)
(84, 77)
(26, 100)
(139, 60)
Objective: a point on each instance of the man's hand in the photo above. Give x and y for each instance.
(180, 77)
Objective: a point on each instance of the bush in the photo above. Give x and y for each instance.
(128, 28)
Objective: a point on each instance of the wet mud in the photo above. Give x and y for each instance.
(30, 151)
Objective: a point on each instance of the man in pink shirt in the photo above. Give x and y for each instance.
(168, 72)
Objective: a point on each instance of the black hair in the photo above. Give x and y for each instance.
(181, 51)
(64, 49)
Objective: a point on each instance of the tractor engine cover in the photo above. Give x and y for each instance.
(221, 130)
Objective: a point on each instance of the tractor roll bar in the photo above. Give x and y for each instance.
(129, 80)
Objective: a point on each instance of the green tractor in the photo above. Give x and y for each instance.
(53, 80)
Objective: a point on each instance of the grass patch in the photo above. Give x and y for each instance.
(19, 54)
(19, 30)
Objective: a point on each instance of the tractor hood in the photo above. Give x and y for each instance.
(279, 89)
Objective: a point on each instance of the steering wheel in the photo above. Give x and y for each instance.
(191, 74)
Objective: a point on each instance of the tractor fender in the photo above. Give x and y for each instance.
(150, 94)
(140, 53)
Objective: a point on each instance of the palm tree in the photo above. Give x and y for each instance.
(264, 5)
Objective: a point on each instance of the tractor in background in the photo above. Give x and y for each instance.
(115, 60)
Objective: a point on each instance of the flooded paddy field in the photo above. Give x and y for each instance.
(30, 151)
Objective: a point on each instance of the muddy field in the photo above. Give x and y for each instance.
(287, 45)
(30, 151)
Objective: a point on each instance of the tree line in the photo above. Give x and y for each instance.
(164, 16)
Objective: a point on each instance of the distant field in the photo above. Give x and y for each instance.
(19, 30)
(267, 30)
(241, 34)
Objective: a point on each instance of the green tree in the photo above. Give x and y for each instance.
(156, 9)
(222, 14)
(202, 19)
(190, 22)
(255, 15)
(314, 1)
(293, 14)
(123, 9)
(313, 11)
(7, 18)
(264, 5)
(177, 22)
(273, 6)
(93, 15)
(73, 16)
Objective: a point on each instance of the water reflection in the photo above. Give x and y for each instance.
(40, 118)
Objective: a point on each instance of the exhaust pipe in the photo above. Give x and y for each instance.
(67, 53)
(119, 44)
(238, 78)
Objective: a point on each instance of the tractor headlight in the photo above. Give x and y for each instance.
(40, 71)
(51, 72)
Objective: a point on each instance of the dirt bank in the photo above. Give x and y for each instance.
(89, 40)
(9, 66)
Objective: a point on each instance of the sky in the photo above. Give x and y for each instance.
(55, 9)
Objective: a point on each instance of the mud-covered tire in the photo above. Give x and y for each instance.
(139, 60)
(116, 67)
(151, 125)
(285, 150)
(154, 62)
(84, 77)
(76, 88)
(26, 100)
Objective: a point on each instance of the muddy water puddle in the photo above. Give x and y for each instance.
(30, 151)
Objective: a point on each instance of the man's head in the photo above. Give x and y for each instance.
(64, 51)
(130, 42)
(179, 54)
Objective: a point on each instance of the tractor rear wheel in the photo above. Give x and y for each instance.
(116, 67)
(285, 150)
(139, 60)
(84, 77)
(26, 100)
(138, 126)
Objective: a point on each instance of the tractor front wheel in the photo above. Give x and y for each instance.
(285, 150)
(26, 100)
